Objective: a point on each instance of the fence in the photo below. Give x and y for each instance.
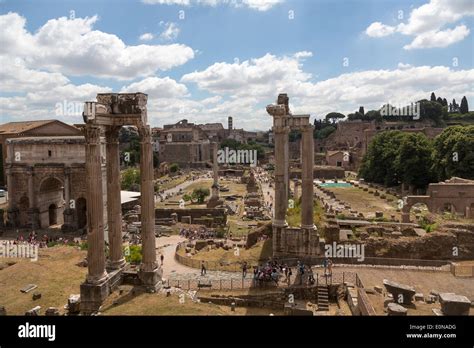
(248, 283)
(314, 260)
(459, 270)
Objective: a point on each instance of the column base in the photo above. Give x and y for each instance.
(151, 279)
(93, 295)
(115, 265)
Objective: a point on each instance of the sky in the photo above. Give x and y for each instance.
(205, 60)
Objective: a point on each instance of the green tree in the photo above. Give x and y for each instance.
(414, 160)
(130, 179)
(174, 167)
(199, 194)
(433, 97)
(464, 108)
(379, 163)
(453, 153)
(334, 116)
(361, 110)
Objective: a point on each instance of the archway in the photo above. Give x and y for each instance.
(51, 195)
(53, 214)
(81, 212)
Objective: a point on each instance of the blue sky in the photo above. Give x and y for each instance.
(207, 59)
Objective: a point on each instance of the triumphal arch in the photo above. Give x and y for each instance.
(102, 118)
(303, 240)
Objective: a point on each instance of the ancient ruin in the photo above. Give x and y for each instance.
(104, 118)
(303, 240)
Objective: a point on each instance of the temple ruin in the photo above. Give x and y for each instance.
(287, 240)
(105, 118)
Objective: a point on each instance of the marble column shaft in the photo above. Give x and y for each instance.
(149, 263)
(114, 206)
(281, 178)
(95, 207)
(307, 194)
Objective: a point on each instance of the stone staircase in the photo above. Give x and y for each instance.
(323, 298)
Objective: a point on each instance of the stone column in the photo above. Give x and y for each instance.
(114, 206)
(281, 176)
(10, 187)
(95, 208)
(150, 274)
(33, 212)
(69, 220)
(307, 195)
(215, 169)
(12, 211)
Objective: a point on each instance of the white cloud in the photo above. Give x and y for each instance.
(259, 77)
(73, 47)
(378, 29)
(404, 66)
(426, 24)
(259, 5)
(442, 38)
(171, 31)
(257, 82)
(157, 87)
(146, 37)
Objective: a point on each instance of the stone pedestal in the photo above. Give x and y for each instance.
(93, 295)
(151, 279)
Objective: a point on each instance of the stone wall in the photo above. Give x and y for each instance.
(218, 215)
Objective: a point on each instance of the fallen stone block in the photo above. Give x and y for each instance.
(379, 289)
(36, 296)
(33, 312)
(419, 297)
(3, 311)
(28, 288)
(52, 311)
(401, 293)
(394, 309)
(74, 304)
(452, 304)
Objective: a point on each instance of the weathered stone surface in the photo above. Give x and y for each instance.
(74, 304)
(452, 304)
(52, 311)
(36, 296)
(28, 288)
(396, 289)
(419, 297)
(394, 309)
(34, 311)
(378, 289)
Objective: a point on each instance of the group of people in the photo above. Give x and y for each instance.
(42, 242)
(201, 233)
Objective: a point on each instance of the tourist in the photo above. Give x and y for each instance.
(244, 269)
(330, 267)
(162, 257)
(203, 269)
(325, 265)
(311, 280)
(290, 273)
